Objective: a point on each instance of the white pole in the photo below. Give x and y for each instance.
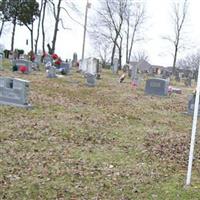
(85, 28)
(194, 126)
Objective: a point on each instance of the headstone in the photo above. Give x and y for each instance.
(188, 82)
(157, 86)
(83, 66)
(177, 76)
(191, 103)
(38, 59)
(134, 76)
(74, 60)
(47, 59)
(92, 66)
(64, 68)
(23, 63)
(75, 57)
(14, 92)
(1, 62)
(115, 66)
(90, 80)
(51, 72)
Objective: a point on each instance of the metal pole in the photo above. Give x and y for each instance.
(85, 27)
(194, 125)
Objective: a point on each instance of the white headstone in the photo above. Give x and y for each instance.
(83, 66)
(92, 66)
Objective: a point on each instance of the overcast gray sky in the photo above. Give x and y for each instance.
(158, 24)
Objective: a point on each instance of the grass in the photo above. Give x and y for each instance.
(107, 142)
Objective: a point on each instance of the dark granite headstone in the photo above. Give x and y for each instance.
(157, 86)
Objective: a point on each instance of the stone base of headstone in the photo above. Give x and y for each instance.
(15, 104)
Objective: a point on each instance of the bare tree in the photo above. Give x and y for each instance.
(179, 13)
(56, 9)
(43, 27)
(110, 20)
(38, 28)
(135, 17)
(140, 55)
(190, 62)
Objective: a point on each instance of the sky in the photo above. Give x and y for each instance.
(158, 24)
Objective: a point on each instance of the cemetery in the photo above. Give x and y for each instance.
(102, 141)
(99, 100)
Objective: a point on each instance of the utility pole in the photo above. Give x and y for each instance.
(88, 5)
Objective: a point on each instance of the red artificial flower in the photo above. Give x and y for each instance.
(58, 62)
(54, 56)
(23, 69)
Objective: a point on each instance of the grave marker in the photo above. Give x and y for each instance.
(51, 72)
(64, 68)
(191, 104)
(134, 75)
(90, 80)
(23, 63)
(47, 59)
(157, 86)
(14, 92)
(115, 66)
(1, 62)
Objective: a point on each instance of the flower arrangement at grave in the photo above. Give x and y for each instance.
(23, 69)
(56, 60)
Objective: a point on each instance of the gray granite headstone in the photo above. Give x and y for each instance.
(14, 92)
(90, 80)
(1, 62)
(115, 66)
(51, 72)
(191, 103)
(47, 59)
(65, 68)
(37, 61)
(22, 62)
(157, 86)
